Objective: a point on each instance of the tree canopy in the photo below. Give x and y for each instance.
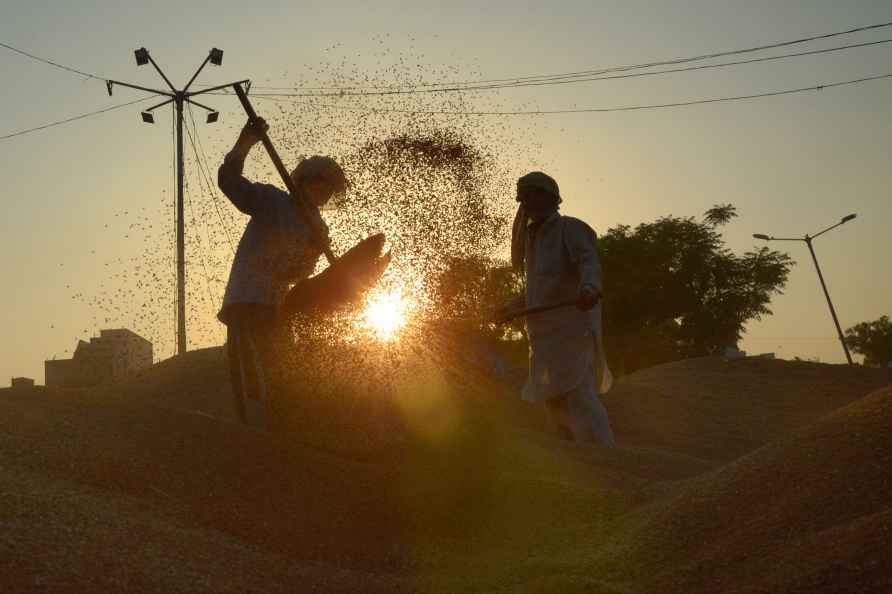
(674, 290)
(873, 340)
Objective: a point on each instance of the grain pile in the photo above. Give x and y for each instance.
(148, 486)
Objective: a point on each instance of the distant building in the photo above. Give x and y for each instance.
(113, 355)
(21, 383)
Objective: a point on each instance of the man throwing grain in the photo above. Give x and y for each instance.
(278, 248)
(559, 257)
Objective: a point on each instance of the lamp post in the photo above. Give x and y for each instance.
(808, 241)
(178, 98)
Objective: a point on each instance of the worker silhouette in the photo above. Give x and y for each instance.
(277, 249)
(558, 255)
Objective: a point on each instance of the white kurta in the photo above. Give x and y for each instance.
(565, 344)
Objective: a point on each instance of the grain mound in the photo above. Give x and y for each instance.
(719, 410)
(808, 513)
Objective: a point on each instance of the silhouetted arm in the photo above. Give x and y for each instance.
(582, 246)
(241, 192)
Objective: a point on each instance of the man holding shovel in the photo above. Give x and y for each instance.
(559, 257)
(280, 246)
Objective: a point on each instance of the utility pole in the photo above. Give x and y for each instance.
(808, 241)
(179, 98)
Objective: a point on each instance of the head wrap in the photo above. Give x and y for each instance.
(541, 181)
(519, 238)
(538, 180)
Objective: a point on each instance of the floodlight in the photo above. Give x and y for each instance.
(147, 117)
(213, 117)
(142, 56)
(761, 236)
(216, 56)
(108, 85)
(848, 218)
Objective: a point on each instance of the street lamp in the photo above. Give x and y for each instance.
(808, 241)
(179, 98)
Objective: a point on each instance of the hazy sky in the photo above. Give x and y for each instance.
(792, 164)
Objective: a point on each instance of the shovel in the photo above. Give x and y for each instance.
(347, 277)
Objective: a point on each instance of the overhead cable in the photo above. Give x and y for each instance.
(75, 118)
(593, 109)
(51, 63)
(597, 71)
(538, 83)
(205, 176)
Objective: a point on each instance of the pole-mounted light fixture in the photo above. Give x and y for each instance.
(142, 56)
(808, 241)
(179, 98)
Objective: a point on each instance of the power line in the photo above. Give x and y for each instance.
(537, 77)
(212, 187)
(75, 118)
(204, 173)
(51, 63)
(693, 68)
(199, 243)
(714, 54)
(534, 80)
(273, 96)
(201, 253)
(537, 83)
(539, 80)
(594, 109)
(598, 71)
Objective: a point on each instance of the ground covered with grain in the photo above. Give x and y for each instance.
(744, 476)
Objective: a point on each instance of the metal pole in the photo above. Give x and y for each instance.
(830, 303)
(181, 255)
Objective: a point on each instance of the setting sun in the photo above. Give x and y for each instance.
(385, 314)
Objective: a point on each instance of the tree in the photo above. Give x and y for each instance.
(873, 340)
(720, 214)
(673, 290)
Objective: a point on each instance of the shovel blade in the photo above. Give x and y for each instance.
(343, 283)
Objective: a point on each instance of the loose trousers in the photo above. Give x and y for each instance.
(251, 351)
(579, 414)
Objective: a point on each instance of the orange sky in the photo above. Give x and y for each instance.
(791, 164)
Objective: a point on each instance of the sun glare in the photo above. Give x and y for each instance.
(385, 314)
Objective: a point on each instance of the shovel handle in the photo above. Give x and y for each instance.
(306, 208)
(538, 309)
